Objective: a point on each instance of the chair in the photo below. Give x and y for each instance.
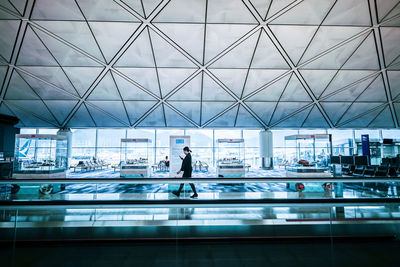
(247, 167)
(369, 171)
(359, 171)
(393, 172)
(203, 165)
(382, 171)
(116, 166)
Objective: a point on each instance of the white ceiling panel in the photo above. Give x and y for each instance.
(233, 79)
(315, 119)
(155, 119)
(129, 91)
(306, 12)
(221, 36)
(263, 110)
(81, 118)
(273, 92)
(183, 11)
(390, 42)
(259, 77)
(357, 109)
(191, 91)
(82, 77)
(33, 52)
(294, 39)
(394, 81)
(173, 119)
(105, 90)
(364, 119)
(226, 119)
(295, 91)
(111, 36)
(105, 10)
(284, 109)
(60, 108)
(190, 109)
(65, 55)
(136, 5)
(240, 56)
(335, 110)
(337, 57)
(211, 109)
(108, 113)
(170, 78)
(166, 55)
(328, 37)
(76, 33)
(245, 119)
(267, 55)
(345, 78)
(9, 30)
(214, 92)
(318, 80)
(146, 77)
(228, 11)
(136, 109)
(190, 37)
(278, 6)
(295, 121)
(383, 120)
(56, 10)
(19, 89)
(343, 12)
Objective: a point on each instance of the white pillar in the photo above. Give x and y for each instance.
(67, 132)
(266, 149)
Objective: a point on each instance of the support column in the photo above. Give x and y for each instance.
(67, 132)
(7, 135)
(266, 149)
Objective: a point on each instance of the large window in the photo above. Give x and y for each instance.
(105, 143)
(252, 147)
(83, 144)
(342, 142)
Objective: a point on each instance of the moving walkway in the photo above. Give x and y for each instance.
(106, 215)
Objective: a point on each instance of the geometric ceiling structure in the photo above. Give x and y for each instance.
(201, 63)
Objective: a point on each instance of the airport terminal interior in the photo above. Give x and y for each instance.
(199, 132)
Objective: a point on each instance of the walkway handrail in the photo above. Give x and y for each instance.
(198, 203)
(196, 180)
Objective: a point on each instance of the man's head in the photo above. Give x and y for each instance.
(186, 150)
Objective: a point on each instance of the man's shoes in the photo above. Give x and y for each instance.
(176, 193)
(194, 196)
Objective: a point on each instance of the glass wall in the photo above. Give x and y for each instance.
(105, 143)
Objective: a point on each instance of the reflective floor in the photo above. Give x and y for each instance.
(110, 173)
(206, 191)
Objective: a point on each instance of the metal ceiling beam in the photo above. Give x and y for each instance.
(147, 22)
(378, 40)
(17, 47)
(108, 67)
(289, 61)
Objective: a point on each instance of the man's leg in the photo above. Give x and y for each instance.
(194, 189)
(180, 188)
(177, 193)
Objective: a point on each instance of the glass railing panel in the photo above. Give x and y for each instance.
(208, 189)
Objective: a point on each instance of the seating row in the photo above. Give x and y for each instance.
(90, 165)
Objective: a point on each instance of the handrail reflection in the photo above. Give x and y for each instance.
(198, 180)
(177, 203)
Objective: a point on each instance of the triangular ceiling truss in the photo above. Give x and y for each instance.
(201, 63)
